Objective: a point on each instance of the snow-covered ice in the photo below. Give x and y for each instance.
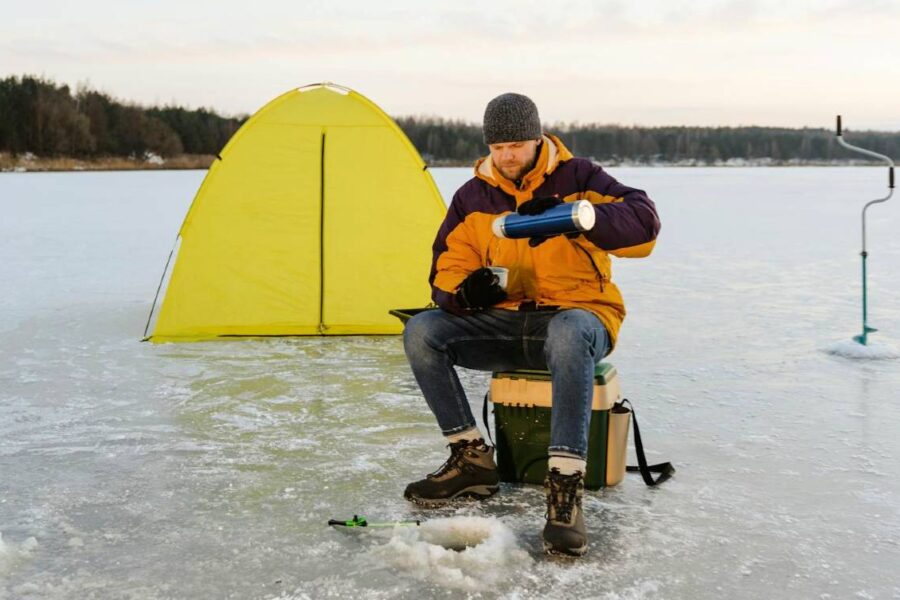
(869, 351)
(463, 552)
(10, 555)
(209, 470)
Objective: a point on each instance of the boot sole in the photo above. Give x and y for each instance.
(551, 549)
(477, 492)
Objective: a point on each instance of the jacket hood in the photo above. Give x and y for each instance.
(551, 154)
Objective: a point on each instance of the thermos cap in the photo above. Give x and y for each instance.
(584, 215)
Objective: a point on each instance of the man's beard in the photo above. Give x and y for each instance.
(515, 173)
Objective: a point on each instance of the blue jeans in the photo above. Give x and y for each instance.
(568, 343)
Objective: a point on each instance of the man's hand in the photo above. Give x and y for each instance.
(536, 206)
(481, 289)
(537, 241)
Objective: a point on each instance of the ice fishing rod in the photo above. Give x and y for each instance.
(866, 330)
(358, 521)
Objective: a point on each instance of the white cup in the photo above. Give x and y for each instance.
(502, 274)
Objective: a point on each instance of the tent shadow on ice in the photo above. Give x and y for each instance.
(317, 218)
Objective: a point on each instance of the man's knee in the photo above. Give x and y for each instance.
(576, 330)
(422, 331)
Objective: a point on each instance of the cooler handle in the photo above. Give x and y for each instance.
(484, 416)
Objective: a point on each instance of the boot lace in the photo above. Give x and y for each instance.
(563, 495)
(456, 460)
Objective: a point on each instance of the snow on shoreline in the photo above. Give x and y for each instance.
(151, 161)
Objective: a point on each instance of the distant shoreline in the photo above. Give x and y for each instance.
(29, 163)
(48, 127)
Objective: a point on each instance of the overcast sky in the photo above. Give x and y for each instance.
(649, 62)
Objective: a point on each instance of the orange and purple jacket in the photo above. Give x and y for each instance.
(565, 272)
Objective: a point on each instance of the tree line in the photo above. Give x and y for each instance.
(46, 119)
(441, 140)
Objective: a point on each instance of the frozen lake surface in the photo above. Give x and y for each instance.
(209, 470)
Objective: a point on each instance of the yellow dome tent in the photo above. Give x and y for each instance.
(316, 219)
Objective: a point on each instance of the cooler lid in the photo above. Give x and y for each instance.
(603, 374)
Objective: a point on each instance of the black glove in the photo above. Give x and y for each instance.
(536, 206)
(481, 289)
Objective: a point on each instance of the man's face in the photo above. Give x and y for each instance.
(514, 159)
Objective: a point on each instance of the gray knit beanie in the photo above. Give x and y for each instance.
(511, 118)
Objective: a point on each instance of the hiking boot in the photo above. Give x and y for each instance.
(564, 532)
(469, 472)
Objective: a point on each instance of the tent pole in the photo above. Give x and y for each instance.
(322, 326)
(158, 288)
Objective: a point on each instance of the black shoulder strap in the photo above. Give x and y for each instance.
(665, 469)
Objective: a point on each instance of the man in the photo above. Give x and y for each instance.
(559, 311)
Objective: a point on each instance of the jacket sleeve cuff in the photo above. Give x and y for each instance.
(449, 302)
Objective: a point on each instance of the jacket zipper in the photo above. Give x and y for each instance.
(593, 264)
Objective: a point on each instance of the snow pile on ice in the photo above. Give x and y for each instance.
(10, 555)
(871, 351)
(467, 553)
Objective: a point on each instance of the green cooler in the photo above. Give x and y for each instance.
(522, 401)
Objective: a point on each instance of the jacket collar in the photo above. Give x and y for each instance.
(552, 153)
